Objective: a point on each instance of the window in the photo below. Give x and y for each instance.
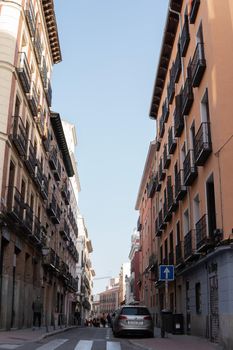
(198, 297)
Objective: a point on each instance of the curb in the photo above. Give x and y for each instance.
(61, 330)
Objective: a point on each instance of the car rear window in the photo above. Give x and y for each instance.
(135, 311)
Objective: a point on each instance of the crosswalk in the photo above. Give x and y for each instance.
(56, 343)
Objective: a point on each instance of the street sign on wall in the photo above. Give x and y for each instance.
(166, 272)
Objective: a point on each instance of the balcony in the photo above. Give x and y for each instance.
(171, 90)
(44, 188)
(188, 245)
(19, 136)
(24, 72)
(28, 220)
(162, 172)
(139, 225)
(157, 144)
(172, 143)
(179, 254)
(46, 141)
(38, 174)
(177, 65)
(44, 73)
(48, 93)
(39, 232)
(33, 100)
(51, 260)
(193, 12)
(172, 204)
(198, 65)
(178, 117)
(15, 205)
(203, 241)
(65, 193)
(158, 231)
(53, 210)
(31, 160)
(38, 47)
(55, 164)
(165, 110)
(180, 188)
(64, 270)
(40, 120)
(57, 171)
(157, 183)
(161, 127)
(190, 169)
(31, 18)
(202, 144)
(187, 97)
(166, 157)
(64, 230)
(185, 37)
(151, 187)
(167, 214)
(162, 223)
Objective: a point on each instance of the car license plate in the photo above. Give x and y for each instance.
(135, 323)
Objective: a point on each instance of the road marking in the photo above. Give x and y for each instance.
(113, 345)
(84, 345)
(9, 346)
(53, 344)
(108, 335)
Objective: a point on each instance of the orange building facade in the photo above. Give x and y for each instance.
(184, 199)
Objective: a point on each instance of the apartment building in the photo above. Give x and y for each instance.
(132, 290)
(85, 271)
(38, 228)
(190, 189)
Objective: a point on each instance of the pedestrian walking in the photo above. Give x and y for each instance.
(37, 308)
(103, 320)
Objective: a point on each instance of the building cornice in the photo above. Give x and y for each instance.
(51, 25)
(165, 54)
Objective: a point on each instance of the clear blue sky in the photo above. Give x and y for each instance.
(104, 85)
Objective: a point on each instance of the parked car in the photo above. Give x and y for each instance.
(133, 319)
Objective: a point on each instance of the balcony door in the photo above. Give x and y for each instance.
(211, 211)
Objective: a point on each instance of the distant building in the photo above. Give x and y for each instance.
(125, 271)
(109, 299)
(133, 280)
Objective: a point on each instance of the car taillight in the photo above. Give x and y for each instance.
(121, 317)
(148, 318)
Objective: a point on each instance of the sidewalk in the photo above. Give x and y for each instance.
(22, 336)
(175, 342)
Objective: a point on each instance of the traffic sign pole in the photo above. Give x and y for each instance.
(166, 294)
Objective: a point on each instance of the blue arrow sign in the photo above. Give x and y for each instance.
(166, 272)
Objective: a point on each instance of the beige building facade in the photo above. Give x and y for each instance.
(38, 228)
(189, 185)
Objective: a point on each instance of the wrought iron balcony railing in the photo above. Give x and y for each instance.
(28, 219)
(38, 174)
(39, 232)
(38, 46)
(178, 117)
(162, 172)
(177, 65)
(48, 93)
(166, 213)
(165, 110)
(198, 65)
(65, 193)
(171, 140)
(161, 127)
(190, 169)
(33, 100)
(158, 230)
(24, 72)
(44, 188)
(202, 144)
(189, 245)
(162, 223)
(151, 187)
(185, 37)
(203, 239)
(40, 120)
(31, 18)
(194, 10)
(187, 97)
(15, 205)
(157, 183)
(172, 204)
(166, 157)
(44, 73)
(171, 89)
(180, 188)
(19, 136)
(64, 230)
(30, 161)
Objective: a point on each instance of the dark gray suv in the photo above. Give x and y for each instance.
(133, 319)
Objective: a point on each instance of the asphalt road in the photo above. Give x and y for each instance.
(88, 338)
